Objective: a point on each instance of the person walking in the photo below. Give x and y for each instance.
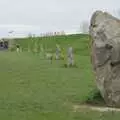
(70, 56)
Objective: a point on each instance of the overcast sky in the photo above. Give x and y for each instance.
(39, 16)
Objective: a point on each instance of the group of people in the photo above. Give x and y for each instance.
(59, 54)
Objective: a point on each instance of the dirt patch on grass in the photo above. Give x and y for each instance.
(78, 108)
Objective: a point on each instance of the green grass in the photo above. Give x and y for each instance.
(33, 89)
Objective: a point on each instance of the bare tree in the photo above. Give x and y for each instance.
(118, 12)
(84, 27)
(30, 35)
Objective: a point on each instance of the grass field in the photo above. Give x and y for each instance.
(33, 89)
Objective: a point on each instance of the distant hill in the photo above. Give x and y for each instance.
(80, 42)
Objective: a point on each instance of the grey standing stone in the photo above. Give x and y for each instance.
(105, 34)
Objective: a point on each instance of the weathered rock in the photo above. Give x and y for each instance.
(105, 34)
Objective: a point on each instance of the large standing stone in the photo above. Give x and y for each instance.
(105, 35)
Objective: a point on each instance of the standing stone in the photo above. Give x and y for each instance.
(105, 35)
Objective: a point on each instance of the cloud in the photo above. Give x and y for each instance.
(18, 30)
(39, 16)
(18, 27)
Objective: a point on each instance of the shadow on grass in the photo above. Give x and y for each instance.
(71, 66)
(94, 98)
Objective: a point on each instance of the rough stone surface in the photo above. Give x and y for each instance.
(105, 34)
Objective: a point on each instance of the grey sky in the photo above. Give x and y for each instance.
(39, 16)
